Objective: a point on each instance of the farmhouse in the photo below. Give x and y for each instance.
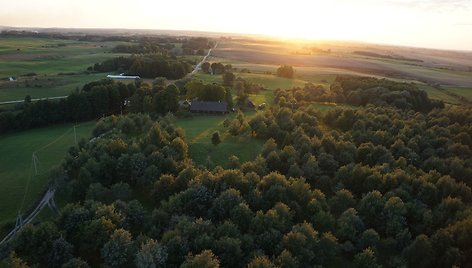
(209, 107)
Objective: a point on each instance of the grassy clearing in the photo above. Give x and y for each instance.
(435, 93)
(208, 78)
(465, 92)
(326, 106)
(272, 82)
(50, 145)
(199, 130)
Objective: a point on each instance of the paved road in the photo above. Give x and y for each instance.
(20, 101)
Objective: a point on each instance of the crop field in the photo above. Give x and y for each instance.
(276, 53)
(199, 130)
(17, 172)
(48, 67)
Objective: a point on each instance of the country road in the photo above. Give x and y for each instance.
(46, 200)
(20, 101)
(199, 65)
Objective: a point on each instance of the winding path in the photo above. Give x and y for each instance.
(21, 101)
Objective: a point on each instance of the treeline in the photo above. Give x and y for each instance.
(94, 100)
(360, 91)
(146, 66)
(371, 187)
(143, 48)
(216, 67)
(196, 45)
(107, 97)
(383, 56)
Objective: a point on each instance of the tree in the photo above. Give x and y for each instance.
(76, 263)
(260, 262)
(215, 138)
(206, 259)
(286, 71)
(150, 255)
(159, 83)
(228, 79)
(366, 259)
(117, 251)
(13, 261)
(166, 100)
(206, 67)
(61, 252)
(420, 247)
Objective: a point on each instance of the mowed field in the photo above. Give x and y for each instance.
(48, 67)
(452, 70)
(199, 130)
(16, 164)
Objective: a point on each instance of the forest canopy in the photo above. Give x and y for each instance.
(375, 185)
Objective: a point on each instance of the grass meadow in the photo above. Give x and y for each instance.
(17, 174)
(199, 130)
(59, 66)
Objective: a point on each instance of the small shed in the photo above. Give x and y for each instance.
(12, 79)
(209, 107)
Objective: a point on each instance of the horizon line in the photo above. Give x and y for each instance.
(279, 38)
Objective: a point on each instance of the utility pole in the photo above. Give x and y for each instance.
(75, 136)
(19, 221)
(34, 163)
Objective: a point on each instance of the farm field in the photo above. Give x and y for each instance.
(199, 130)
(44, 86)
(48, 67)
(342, 59)
(465, 92)
(16, 153)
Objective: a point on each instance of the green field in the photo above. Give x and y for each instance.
(465, 92)
(58, 65)
(16, 166)
(200, 128)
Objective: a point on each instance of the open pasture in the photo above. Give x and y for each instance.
(21, 186)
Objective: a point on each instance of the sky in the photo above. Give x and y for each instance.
(445, 24)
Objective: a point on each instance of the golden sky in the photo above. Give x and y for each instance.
(425, 23)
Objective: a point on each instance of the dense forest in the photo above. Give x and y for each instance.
(366, 187)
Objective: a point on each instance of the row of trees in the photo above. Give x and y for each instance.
(216, 68)
(146, 66)
(94, 100)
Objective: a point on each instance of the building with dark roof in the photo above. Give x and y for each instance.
(209, 107)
